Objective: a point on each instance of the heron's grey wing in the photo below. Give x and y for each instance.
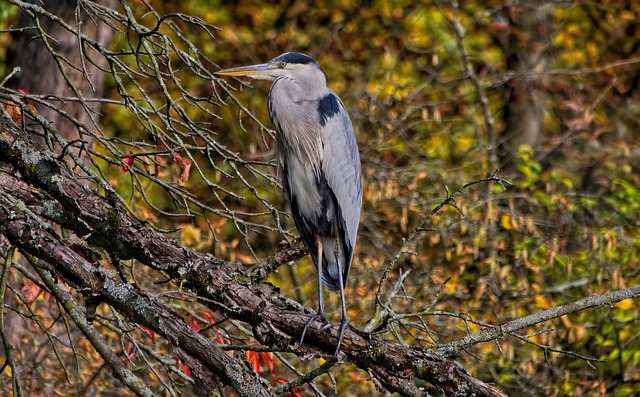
(341, 168)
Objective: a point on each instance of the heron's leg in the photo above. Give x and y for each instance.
(320, 314)
(320, 295)
(344, 322)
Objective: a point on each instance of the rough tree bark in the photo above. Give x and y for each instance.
(54, 196)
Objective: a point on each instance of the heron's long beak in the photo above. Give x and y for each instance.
(260, 72)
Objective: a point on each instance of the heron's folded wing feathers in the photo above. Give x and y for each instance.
(341, 167)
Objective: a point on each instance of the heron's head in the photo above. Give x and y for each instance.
(294, 65)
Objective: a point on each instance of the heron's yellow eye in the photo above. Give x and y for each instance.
(283, 64)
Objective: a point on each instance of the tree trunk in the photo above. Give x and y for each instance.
(63, 70)
(526, 47)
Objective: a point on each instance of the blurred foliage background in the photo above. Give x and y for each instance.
(429, 116)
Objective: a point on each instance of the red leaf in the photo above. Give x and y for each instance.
(267, 357)
(30, 290)
(219, 338)
(30, 106)
(47, 296)
(253, 359)
(145, 161)
(183, 367)
(208, 315)
(160, 161)
(150, 333)
(127, 162)
(185, 166)
(66, 284)
(14, 111)
(193, 323)
(128, 352)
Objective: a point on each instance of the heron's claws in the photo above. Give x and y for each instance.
(319, 315)
(344, 324)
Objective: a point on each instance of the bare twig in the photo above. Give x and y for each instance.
(8, 348)
(306, 378)
(509, 328)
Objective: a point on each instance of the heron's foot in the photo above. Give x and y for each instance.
(362, 333)
(344, 323)
(319, 315)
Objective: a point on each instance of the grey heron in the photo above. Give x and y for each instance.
(319, 164)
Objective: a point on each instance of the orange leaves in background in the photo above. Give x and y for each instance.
(129, 158)
(30, 290)
(127, 162)
(15, 111)
(254, 357)
(211, 320)
(185, 166)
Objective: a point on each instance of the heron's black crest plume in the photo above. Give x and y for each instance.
(296, 57)
(301, 59)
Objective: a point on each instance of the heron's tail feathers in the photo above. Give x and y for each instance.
(330, 269)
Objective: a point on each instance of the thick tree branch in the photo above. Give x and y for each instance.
(40, 241)
(287, 252)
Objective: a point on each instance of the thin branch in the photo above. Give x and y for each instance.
(509, 328)
(8, 348)
(545, 348)
(482, 97)
(306, 378)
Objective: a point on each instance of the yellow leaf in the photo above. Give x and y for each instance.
(542, 302)
(465, 142)
(625, 304)
(7, 370)
(506, 221)
(244, 258)
(190, 234)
